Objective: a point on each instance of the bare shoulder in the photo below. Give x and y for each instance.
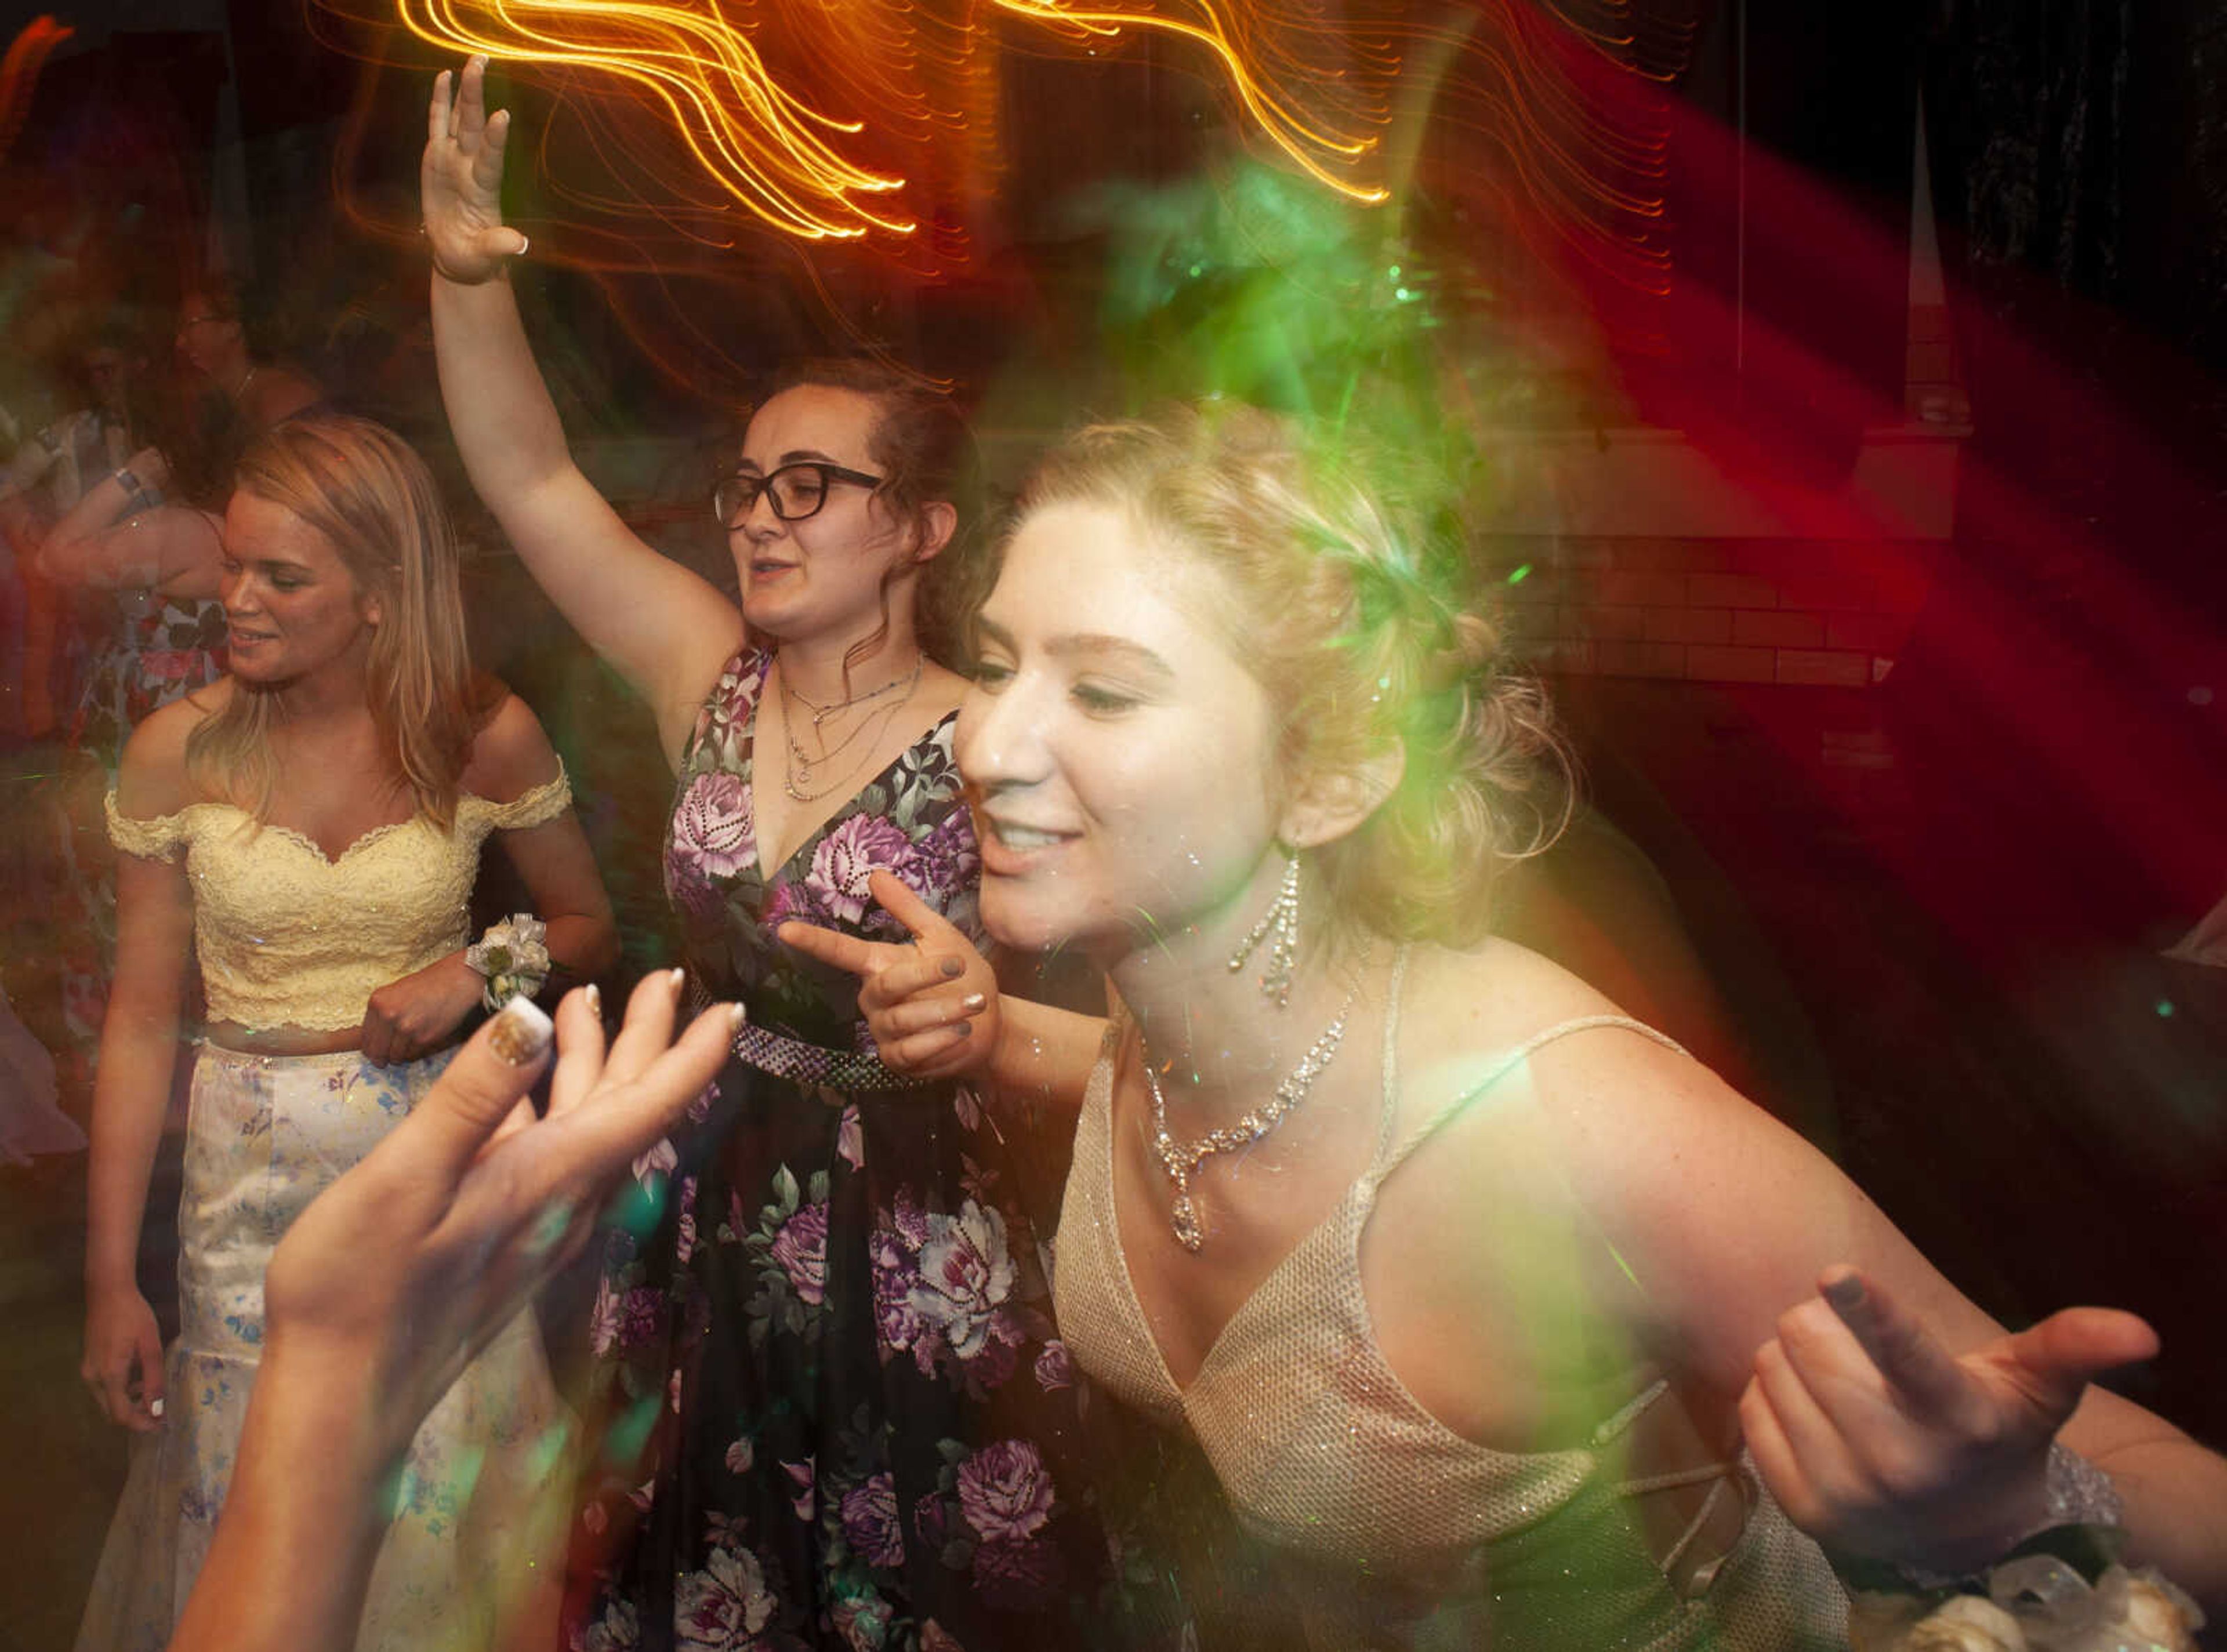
(1713, 1213)
(511, 754)
(151, 780)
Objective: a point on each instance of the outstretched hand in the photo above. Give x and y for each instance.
(459, 181)
(412, 1262)
(1878, 1440)
(932, 1004)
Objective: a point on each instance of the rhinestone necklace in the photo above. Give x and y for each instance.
(1181, 1159)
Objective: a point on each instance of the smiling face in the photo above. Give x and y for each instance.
(822, 576)
(295, 609)
(1121, 760)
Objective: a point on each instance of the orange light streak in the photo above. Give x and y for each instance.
(19, 73)
(773, 154)
(1287, 125)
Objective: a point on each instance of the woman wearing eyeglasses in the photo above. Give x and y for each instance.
(838, 1336)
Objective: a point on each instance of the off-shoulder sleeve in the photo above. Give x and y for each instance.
(537, 805)
(160, 838)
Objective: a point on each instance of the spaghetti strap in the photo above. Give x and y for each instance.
(1388, 1163)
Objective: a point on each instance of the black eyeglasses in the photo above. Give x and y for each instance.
(797, 490)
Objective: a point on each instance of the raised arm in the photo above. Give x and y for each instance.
(666, 631)
(138, 1050)
(407, 1018)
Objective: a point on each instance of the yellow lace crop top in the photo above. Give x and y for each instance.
(287, 937)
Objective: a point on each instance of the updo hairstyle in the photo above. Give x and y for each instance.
(1347, 611)
(926, 454)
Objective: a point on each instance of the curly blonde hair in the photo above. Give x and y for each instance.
(367, 492)
(1346, 605)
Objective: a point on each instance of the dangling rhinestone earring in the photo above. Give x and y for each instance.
(1280, 927)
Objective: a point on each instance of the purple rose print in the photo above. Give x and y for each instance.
(1052, 1369)
(870, 1523)
(800, 1247)
(1005, 1492)
(851, 1138)
(784, 900)
(928, 1521)
(863, 1623)
(966, 1277)
(948, 858)
(723, 1605)
(1017, 1576)
(909, 1219)
(639, 1317)
(894, 1321)
(846, 855)
(712, 837)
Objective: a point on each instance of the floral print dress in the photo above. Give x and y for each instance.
(837, 1413)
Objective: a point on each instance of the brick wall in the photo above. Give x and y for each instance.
(1816, 612)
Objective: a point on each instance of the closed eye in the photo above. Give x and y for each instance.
(1100, 701)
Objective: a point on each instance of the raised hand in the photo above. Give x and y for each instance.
(931, 1005)
(1876, 1440)
(459, 181)
(410, 1262)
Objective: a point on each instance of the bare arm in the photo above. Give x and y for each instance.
(115, 537)
(666, 631)
(139, 1049)
(407, 1018)
(1896, 1419)
(472, 1203)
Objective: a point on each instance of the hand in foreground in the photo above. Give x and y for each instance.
(415, 1016)
(123, 1359)
(931, 1003)
(1879, 1442)
(460, 180)
(409, 1263)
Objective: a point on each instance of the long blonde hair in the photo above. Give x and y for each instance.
(361, 486)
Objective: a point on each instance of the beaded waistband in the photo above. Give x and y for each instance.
(804, 1063)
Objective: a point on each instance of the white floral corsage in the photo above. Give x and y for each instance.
(513, 955)
(2063, 1592)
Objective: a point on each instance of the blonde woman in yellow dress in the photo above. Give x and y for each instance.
(310, 824)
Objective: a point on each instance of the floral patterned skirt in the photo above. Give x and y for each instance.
(481, 1507)
(838, 1413)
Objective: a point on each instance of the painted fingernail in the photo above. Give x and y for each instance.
(737, 1016)
(520, 1033)
(1845, 1291)
(678, 976)
(964, 1029)
(595, 997)
(154, 1409)
(952, 968)
(974, 1001)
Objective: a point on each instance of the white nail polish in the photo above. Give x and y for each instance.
(595, 997)
(520, 1032)
(155, 1408)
